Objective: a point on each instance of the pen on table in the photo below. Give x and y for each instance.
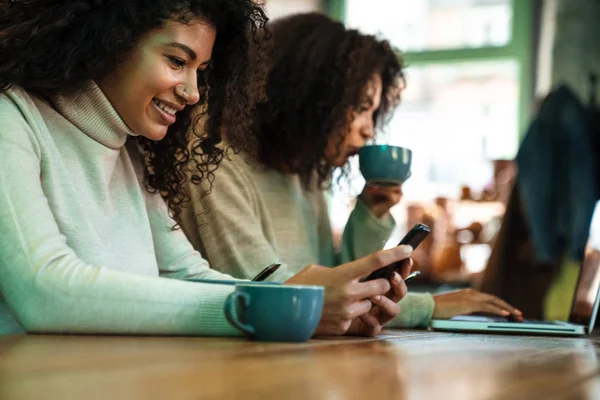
(265, 273)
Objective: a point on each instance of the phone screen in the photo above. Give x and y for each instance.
(413, 238)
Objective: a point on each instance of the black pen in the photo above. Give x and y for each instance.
(413, 274)
(265, 273)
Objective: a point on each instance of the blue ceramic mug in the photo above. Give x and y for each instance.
(281, 313)
(385, 165)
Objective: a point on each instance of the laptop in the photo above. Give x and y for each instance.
(581, 319)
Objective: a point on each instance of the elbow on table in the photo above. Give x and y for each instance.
(37, 315)
(38, 309)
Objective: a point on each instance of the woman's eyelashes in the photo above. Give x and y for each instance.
(179, 63)
(176, 61)
(367, 105)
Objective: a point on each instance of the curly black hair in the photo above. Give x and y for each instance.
(318, 74)
(50, 46)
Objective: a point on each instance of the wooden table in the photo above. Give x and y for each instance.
(396, 365)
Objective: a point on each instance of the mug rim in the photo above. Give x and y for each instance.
(393, 181)
(367, 146)
(283, 285)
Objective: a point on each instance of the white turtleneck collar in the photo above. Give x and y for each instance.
(91, 111)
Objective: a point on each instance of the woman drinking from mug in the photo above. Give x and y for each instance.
(328, 89)
(96, 102)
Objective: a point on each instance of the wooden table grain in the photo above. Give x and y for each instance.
(396, 365)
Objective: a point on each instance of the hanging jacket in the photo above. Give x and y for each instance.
(558, 177)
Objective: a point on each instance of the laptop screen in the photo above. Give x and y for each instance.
(586, 301)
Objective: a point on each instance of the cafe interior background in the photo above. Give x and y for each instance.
(478, 71)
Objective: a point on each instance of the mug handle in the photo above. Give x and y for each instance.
(231, 315)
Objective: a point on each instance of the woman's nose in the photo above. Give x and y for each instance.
(189, 93)
(368, 130)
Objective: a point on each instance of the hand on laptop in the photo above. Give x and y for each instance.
(468, 301)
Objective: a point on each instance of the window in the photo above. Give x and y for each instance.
(281, 8)
(435, 24)
(467, 83)
(456, 118)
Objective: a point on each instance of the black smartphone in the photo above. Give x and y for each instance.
(413, 238)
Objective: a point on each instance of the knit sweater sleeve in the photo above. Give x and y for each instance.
(175, 255)
(416, 310)
(364, 233)
(226, 225)
(48, 288)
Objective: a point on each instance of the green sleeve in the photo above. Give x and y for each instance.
(364, 233)
(48, 288)
(416, 310)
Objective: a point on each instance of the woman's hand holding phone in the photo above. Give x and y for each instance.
(385, 307)
(348, 299)
(413, 238)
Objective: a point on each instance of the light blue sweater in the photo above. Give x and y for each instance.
(84, 248)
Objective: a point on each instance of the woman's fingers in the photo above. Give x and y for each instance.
(365, 265)
(372, 326)
(372, 288)
(490, 308)
(399, 288)
(405, 267)
(386, 308)
(469, 301)
(357, 309)
(501, 303)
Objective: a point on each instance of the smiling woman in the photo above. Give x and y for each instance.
(160, 78)
(64, 46)
(97, 103)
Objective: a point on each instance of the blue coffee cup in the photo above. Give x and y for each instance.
(385, 165)
(280, 313)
